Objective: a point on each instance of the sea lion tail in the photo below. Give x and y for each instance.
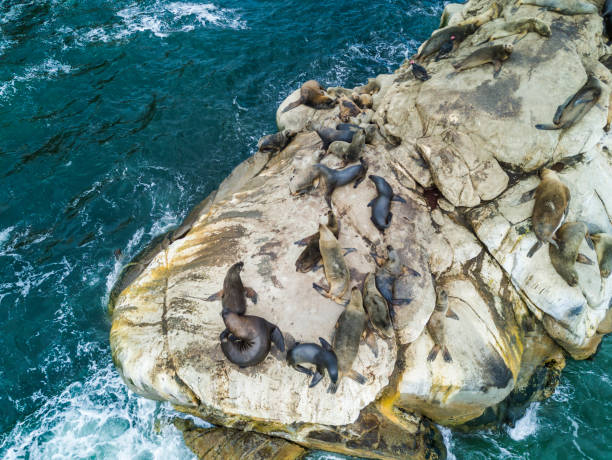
(534, 248)
(446, 355)
(547, 127)
(332, 388)
(293, 105)
(357, 377)
(433, 353)
(451, 314)
(582, 259)
(277, 339)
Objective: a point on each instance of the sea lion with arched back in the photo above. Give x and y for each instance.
(234, 293)
(436, 327)
(311, 255)
(576, 106)
(247, 339)
(347, 335)
(567, 7)
(550, 208)
(313, 95)
(495, 55)
(322, 356)
(569, 237)
(336, 271)
(377, 308)
(520, 27)
(442, 36)
(274, 143)
(335, 178)
(603, 248)
(381, 205)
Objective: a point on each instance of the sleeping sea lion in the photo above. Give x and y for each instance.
(246, 341)
(304, 173)
(385, 278)
(569, 237)
(276, 142)
(311, 255)
(435, 327)
(313, 95)
(323, 357)
(442, 36)
(381, 205)
(520, 27)
(335, 178)
(550, 208)
(234, 293)
(348, 109)
(349, 151)
(576, 106)
(567, 7)
(603, 248)
(329, 135)
(371, 87)
(336, 271)
(376, 307)
(495, 55)
(347, 335)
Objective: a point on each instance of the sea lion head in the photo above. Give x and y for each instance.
(237, 267)
(508, 47)
(542, 28)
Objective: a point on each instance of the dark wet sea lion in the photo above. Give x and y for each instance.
(276, 142)
(311, 255)
(550, 208)
(323, 357)
(233, 295)
(603, 248)
(576, 106)
(607, 18)
(246, 341)
(349, 152)
(347, 335)
(348, 109)
(329, 135)
(419, 72)
(336, 271)
(335, 178)
(442, 36)
(313, 95)
(385, 278)
(381, 205)
(377, 308)
(435, 327)
(567, 7)
(569, 237)
(495, 55)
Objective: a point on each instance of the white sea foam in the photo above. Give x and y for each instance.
(527, 425)
(46, 70)
(447, 437)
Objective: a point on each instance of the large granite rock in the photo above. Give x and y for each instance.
(462, 150)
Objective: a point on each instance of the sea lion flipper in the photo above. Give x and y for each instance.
(547, 127)
(347, 251)
(332, 388)
(371, 203)
(400, 301)
(277, 339)
(370, 340)
(356, 376)
(251, 294)
(224, 335)
(446, 355)
(589, 241)
(537, 245)
(320, 290)
(527, 196)
(215, 296)
(303, 370)
(305, 241)
(389, 216)
(293, 105)
(451, 314)
(433, 353)
(581, 258)
(325, 344)
(398, 198)
(316, 379)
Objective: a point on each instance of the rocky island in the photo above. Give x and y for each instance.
(462, 151)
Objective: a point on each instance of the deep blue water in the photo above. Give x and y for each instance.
(118, 117)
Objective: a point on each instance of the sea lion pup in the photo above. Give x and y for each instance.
(349, 151)
(569, 236)
(336, 271)
(576, 106)
(442, 36)
(603, 248)
(313, 95)
(246, 339)
(335, 178)
(419, 72)
(364, 101)
(276, 142)
(550, 208)
(371, 87)
(348, 109)
(495, 55)
(435, 327)
(311, 255)
(323, 357)
(567, 7)
(347, 335)
(329, 135)
(234, 293)
(376, 307)
(520, 27)
(381, 205)
(385, 277)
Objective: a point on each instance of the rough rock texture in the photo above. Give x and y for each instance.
(462, 150)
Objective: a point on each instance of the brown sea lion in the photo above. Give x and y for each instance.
(442, 36)
(436, 327)
(371, 87)
(576, 106)
(550, 208)
(381, 205)
(364, 101)
(567, 7)
(336, 271)
(491, 13)
(311, 255)
(495, 55)
(234, 293)
(347, 335)
(376, 307)
(348, 109)
(276, 142)
(246, 339)
(335, 178)
(569, 237)
(323, 357)
(603, 248)
(313, 95)
(520, 27)
(349, 151)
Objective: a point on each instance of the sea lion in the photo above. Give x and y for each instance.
(323, 357)
(381, 205)
(276, 142)
(376, 307)
(329, 135)
(488, 15)
(364, 101)
(349, 329)
(520, 27)
(311, 255)
(569, 236)
(234, 293)
(368, 128)
(567, 7)
(348, 109)
(603, 248)
(550, 208)
(349, 151)
(246, 339)
(313, 95)
(495, 55)
(609, 119)
(419, 72)
(335, 178)
(576, 106)
(607, 18)
(435, 327)
(442, 36)
(385, 277)
(336, 271)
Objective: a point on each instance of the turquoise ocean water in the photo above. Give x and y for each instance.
(116, 118)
